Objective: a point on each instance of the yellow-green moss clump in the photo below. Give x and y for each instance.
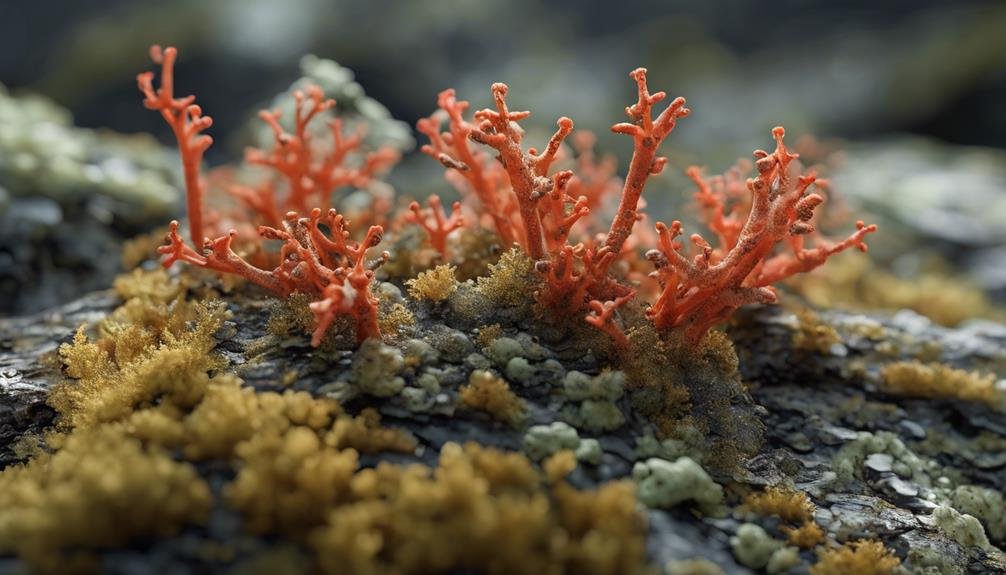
(488, 393)
(788, 504)
(511, 281)
(481, 510)
(856, 282)
(435, 285)
(940, 381)
(813, 334)
(860, 557)
(791, 506)
(133, 365)
(98, 490)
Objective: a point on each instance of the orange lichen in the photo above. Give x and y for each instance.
(436, 222)
(331, 268)
(749, 220)
(700, 292)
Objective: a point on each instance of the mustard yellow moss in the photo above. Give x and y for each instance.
(99, 490)
(788, 504)
(133, 366)
(488, 393)
(806, 536)
(940, 381)
(488, 334)
(511, 281)
(813, 334)
(860, 557)
(411, 519)
(944, 297)
(435, 285)
(288, 481)
(394, 319)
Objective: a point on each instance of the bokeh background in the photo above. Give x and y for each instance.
(911, 91)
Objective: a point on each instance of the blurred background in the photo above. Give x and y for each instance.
(911, 91)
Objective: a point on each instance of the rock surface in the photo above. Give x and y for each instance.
(818, 407)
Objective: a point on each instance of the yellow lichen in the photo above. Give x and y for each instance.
(288, 481)
(945, 298)
(141, 248)
(788, 504)
(411, 519)
(940, 381)
(132, 366)
(806, 536)
(813, 334)
(365, 434)
(395, 319)
(435, 285)
(488, 334)
(860, 557)
(488, 393)
(99, 490)
(512, 280)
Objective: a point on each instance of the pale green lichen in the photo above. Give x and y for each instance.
(504, 349)
(519, 370)
(985, 504)
(907, 464)
(589, 451)
(753, 547)
(608, 385)
(782, 560)
(596, 411)
(541, 441)
(375, 369)
(692, 567)
(964, 529)
(664, 484)
(594, 415)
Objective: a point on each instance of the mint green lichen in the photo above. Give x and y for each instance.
(540, 441)
(753, 547)
(375, 369)
(589, 451)
(664, 484)
(595, 416)
(608, 385)
(907, 464)
(503, 349)
(984, 504)
(964, 529)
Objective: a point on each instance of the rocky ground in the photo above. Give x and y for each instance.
(875, 466)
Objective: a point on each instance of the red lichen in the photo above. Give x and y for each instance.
(748, 220)
(700, 292)
(310, 172)
(187, 122)
(470, 170)
(329, 267)
(647, 135)
(436, 222)
(602, 316)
